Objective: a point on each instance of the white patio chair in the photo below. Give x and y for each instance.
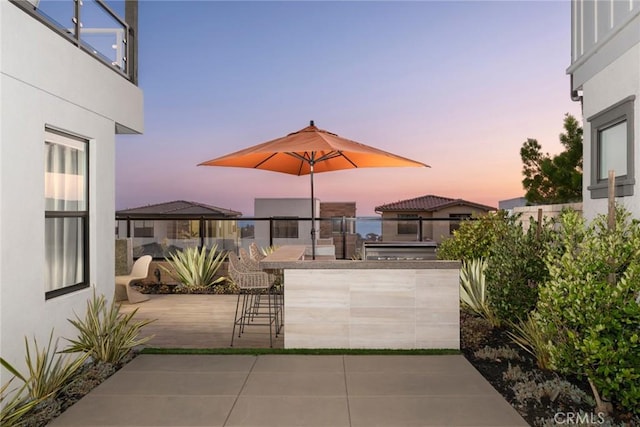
(139, 272)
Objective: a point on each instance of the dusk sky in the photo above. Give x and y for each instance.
(459, 85)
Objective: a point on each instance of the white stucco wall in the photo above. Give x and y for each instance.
(46, 81)
(615, 82)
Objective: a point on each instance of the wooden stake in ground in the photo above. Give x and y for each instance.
(611, 216)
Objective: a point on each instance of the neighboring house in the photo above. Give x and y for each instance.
(510, 204)
(63, 99)
(157, 228)
(440, 217)
(605, 77)
(289, 219)
(341, 228)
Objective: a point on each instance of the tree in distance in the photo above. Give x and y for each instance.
(557, 179)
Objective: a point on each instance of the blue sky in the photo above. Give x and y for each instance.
(459, 85)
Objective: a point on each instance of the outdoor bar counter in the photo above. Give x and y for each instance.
(408, 304)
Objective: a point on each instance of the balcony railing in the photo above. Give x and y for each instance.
(160, 235)
(104, 29)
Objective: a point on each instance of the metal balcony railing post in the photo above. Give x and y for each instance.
(201, 223)
(271, 231)
(343, 232)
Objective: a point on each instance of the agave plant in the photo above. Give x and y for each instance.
(473, 289)
(268, 250)
(105, 334)
(48, 371)
(195, 268)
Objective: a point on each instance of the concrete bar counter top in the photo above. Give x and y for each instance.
(356, 264)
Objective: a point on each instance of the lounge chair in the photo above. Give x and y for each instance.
(139, 272)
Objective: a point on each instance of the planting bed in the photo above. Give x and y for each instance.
(543, 398)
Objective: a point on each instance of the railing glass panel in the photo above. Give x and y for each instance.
(59, 13)
(160, 237)
(103, 34)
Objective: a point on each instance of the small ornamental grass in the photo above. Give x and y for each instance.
(532, 338)
(105, 340)
(195, 268)
(14, 404)
(105, 334)
(48, 372)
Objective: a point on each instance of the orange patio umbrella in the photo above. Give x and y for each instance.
(308, 151)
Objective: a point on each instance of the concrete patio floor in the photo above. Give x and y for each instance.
(278, 390)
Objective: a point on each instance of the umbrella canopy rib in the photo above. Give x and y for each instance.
(266, 159)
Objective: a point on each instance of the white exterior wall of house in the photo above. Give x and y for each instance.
(47, 81)
(606, 68)
(285, 207)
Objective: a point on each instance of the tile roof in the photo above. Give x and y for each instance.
(180, 207)
(428, 203)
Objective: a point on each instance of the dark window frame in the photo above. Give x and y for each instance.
(290, 226)
(409, 227)
(622, 111)
(83, 215)
(145, 230)
(457, 220)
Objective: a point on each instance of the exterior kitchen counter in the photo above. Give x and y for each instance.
(320, 264)
(387, 304)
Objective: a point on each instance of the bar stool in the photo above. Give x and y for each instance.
(252, 285)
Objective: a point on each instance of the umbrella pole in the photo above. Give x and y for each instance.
(313, 210)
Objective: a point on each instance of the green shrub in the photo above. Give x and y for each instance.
(589, 305)
(196, 269)
(105, 334)
(473, 290)
(516, 267)
(474, 238)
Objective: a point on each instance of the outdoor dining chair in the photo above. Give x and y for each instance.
(255, 252)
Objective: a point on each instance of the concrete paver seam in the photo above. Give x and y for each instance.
(346, 388)
(244, 384)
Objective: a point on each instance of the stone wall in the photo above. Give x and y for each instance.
(372, 308)
(124, 256)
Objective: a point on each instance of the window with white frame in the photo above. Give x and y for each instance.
(66, 164)
(612, 149)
